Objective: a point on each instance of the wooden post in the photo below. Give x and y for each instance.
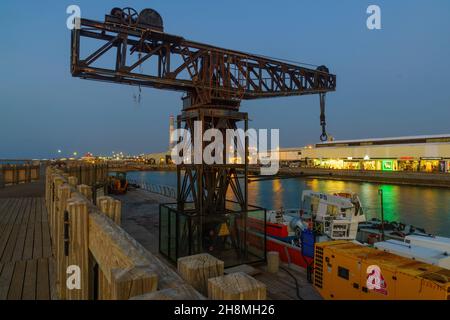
(85, 190)
(129, 283)
(77, 250)
(273, 261)
(73, 181)
(58, 217)
(236, 286)
(123, 283)
(197, 269)
(2, 177)
(111, 207)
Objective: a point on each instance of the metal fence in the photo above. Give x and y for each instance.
(237, 237)
(163, 190)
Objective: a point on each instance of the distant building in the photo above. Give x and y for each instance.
(416, 153)
(163, 158)
(172, 142)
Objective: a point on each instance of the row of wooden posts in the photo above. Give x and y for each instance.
(97, 259)
(15, 174)
(86, 173)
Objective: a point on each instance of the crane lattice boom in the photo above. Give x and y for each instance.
(152, 58)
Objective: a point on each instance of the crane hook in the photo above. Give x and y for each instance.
(323, 136)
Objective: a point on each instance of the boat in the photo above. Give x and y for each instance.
(375, 230)
(329, 217)
(322, 217)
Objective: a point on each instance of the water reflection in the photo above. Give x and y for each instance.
(420, 206)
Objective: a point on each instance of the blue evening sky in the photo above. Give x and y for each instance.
(391, 82)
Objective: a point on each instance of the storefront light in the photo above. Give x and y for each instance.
(366, 157)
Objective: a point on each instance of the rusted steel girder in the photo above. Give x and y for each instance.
(205, 72)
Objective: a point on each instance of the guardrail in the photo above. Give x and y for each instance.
(11, 174)
(163, 190)
(92, 251)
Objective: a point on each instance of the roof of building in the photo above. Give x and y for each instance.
(391, 140)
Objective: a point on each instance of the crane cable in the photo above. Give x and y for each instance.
(323, 136)
(297, 287)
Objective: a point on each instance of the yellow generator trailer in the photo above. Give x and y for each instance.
(346, 270)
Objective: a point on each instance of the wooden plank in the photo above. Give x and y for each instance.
(15, 245)
(29, 239)
(20, 241)
(1, 269)
(16, 286)
(52, 278)
(9, 241)
(29, 283)
(43, 283)
(46, 239)
(183, 292)
(4, 209)
(111, 248)
(9, 218)
(243, 268)
(5, 213)
(5, 279)
(37, 247)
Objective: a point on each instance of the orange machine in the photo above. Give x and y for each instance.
(345, 270)
(118, 184)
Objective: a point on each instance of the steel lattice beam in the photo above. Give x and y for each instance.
(171, 62)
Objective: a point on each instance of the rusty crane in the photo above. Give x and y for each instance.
(215, 81)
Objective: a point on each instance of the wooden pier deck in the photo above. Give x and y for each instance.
(26, 262)
(140, 218)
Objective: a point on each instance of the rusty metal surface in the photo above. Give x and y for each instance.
(206, 72)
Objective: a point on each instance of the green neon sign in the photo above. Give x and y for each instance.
(387, 165)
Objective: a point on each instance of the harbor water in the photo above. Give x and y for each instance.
(420, 206)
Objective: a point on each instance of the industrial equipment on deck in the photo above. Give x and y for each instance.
(346, 270)
(215, 81)
(118, 184)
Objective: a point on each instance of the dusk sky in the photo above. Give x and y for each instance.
(390, 82)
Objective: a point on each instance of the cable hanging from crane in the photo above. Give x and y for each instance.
(323, 136)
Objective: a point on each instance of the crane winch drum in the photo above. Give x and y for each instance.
(146, 19)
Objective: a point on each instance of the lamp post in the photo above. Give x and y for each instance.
(380, 192)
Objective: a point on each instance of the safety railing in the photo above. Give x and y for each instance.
(166, 191)
(18, 173)
(89, 243)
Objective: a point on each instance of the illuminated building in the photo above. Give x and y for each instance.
(415, 153)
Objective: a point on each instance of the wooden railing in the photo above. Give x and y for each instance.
(89, 174)
(95, 257)
(18, 173)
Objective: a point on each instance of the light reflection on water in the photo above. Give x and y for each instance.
(421, 206)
